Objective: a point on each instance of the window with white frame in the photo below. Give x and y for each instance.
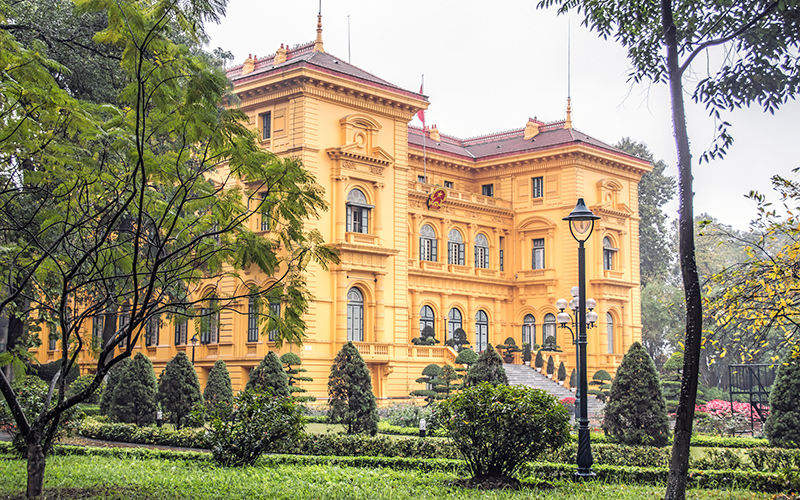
(355, 315)
(426, 319)
(427, 243)
(453, 322)
(538, 187)
(529, 329)
(481, 331)
(610, 332)
(455, 247)
(609, 254)
(481, 251)
(537, 259)
(549, 329)
(358, 212)
(487, 190)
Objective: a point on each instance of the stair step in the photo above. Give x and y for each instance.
(527, 376)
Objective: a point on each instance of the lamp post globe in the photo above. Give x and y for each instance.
(581, 224)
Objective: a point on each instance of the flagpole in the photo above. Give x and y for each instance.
(424, 152)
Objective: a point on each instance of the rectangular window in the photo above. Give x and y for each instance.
(52, 337)
(448, 184)
(487, 190)
(538, 187)
(151, 331)
(122, 322)
(455, 253)
(427, 249)
(97, 329)
(501, 261)
(209, 326)
(422, 179)
(274, 312)
(266, 125)
(538, 253)
(502, 247)
(180, 331)
(482, 257)
(266, 219)
(252, 320)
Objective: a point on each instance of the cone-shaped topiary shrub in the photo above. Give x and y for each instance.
(106, 398)
(783, 424)
(526, 352)
(573, 378)
(562, 372)
(539, 363)
(269, 373)
(294, 372)
(178, 389)
(635, 413)
(134, 397)
(551, 365)
(488, 368)
(218, 388)
(351, 399)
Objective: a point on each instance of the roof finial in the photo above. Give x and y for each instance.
(318, 42)
(568, 121)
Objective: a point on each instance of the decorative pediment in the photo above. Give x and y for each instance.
(609, 192)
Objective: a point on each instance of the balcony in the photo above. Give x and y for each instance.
(373, 351)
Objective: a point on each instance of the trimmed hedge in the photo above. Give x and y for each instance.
(384, 427)
(152, 435)
(767, 482)
(374, 446)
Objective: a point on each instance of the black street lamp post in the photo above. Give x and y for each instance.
(564, 318)
(581, 223)
(194, 343)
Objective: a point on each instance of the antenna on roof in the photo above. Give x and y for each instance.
(568, 121)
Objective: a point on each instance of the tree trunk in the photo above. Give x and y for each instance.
(36, 464)
(679, 464)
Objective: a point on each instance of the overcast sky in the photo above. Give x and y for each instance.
(489, 66)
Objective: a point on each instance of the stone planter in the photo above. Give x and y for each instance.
(550, 375)
(539, 369)
(573, 389)
(527, 363)
(560, 382)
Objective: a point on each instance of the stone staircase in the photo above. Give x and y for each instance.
(525, 375)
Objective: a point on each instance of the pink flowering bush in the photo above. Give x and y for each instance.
(567, 401)
(717, 418)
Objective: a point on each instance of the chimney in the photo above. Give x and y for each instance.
(531, 129)
(249, 65)
(280, 56)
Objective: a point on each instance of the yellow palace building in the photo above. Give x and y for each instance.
(432, 230)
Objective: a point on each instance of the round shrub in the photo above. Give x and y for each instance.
(635, 412)
(255, 422)
(497, 428)
(783, 424)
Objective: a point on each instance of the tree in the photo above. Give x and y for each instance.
(562, 372)
(128, 203)
(539, 362)
(294, 372)
(218, 387)
(488, 368)
(508, 348)
(429, 374)
(759, 39)
(269, 374)
(351, 399)
(107, 396)
(655, 190)
(783, 424)
(444, 384)
(134, 396)
(466, 358)
(459, 340)
(635, 413)
(179, 389)
(551, 366)
(602, 380)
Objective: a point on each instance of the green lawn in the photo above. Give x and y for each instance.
(132, 479)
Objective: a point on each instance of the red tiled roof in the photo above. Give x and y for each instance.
(506, 143)
(302, 55)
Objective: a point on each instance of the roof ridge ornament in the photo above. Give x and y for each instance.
(318, 42)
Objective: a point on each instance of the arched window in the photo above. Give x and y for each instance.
(610, 331)
(549, 328)
(180, 329)
(427, 243)
(274, 312)
(358, 212)
(609, 254)
(481, 251)
(455, 248)
(426, 319)
(453, 322)
(355, 315)
(529, 329)
(481, 331)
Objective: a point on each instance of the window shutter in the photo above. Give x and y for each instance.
(433, 250)
(460, 254)
(349, 218)
(365, 221)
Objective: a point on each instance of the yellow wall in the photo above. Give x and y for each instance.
(353, 134)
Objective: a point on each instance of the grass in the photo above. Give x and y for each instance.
(112, 478)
